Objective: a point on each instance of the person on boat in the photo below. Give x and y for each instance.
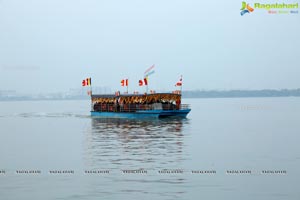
(178, 102)
(116, 105)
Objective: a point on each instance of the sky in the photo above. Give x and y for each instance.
(50, 46)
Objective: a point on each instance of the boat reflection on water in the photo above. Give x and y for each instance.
(135, 144)
(127, 144)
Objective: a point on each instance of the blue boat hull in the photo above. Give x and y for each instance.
(143, 114)
(174, 113)
(137, 114)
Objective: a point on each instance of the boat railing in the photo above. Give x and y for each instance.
(121, 108)
(136, 107)
(184, 106)
(175, 107)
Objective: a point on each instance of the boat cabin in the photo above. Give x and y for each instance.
(135, 102)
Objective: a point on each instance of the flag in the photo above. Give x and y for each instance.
(87, 81)
(124, 82)
(143, 82)
(179, 83)
(149, 71)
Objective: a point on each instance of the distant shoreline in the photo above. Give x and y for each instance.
(185, 94)
(241, 93)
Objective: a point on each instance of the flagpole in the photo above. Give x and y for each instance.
(91, 86)
(181, 85)
(91, 96)
(147, 84)
(147, 73)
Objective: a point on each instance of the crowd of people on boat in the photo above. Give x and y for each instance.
(132, 107)
(134, 103)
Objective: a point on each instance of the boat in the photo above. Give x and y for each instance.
(155, 105)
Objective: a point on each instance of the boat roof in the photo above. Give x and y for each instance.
(132, 95)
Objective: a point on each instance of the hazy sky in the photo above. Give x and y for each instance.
(51, 45)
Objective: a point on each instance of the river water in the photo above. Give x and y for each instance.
(227, 148)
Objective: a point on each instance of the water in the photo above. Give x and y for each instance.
(220, 135)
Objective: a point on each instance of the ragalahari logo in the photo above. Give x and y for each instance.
(246, 8)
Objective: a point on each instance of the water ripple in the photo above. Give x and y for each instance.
(131, 143)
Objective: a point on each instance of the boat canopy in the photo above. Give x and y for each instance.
(137, 98)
